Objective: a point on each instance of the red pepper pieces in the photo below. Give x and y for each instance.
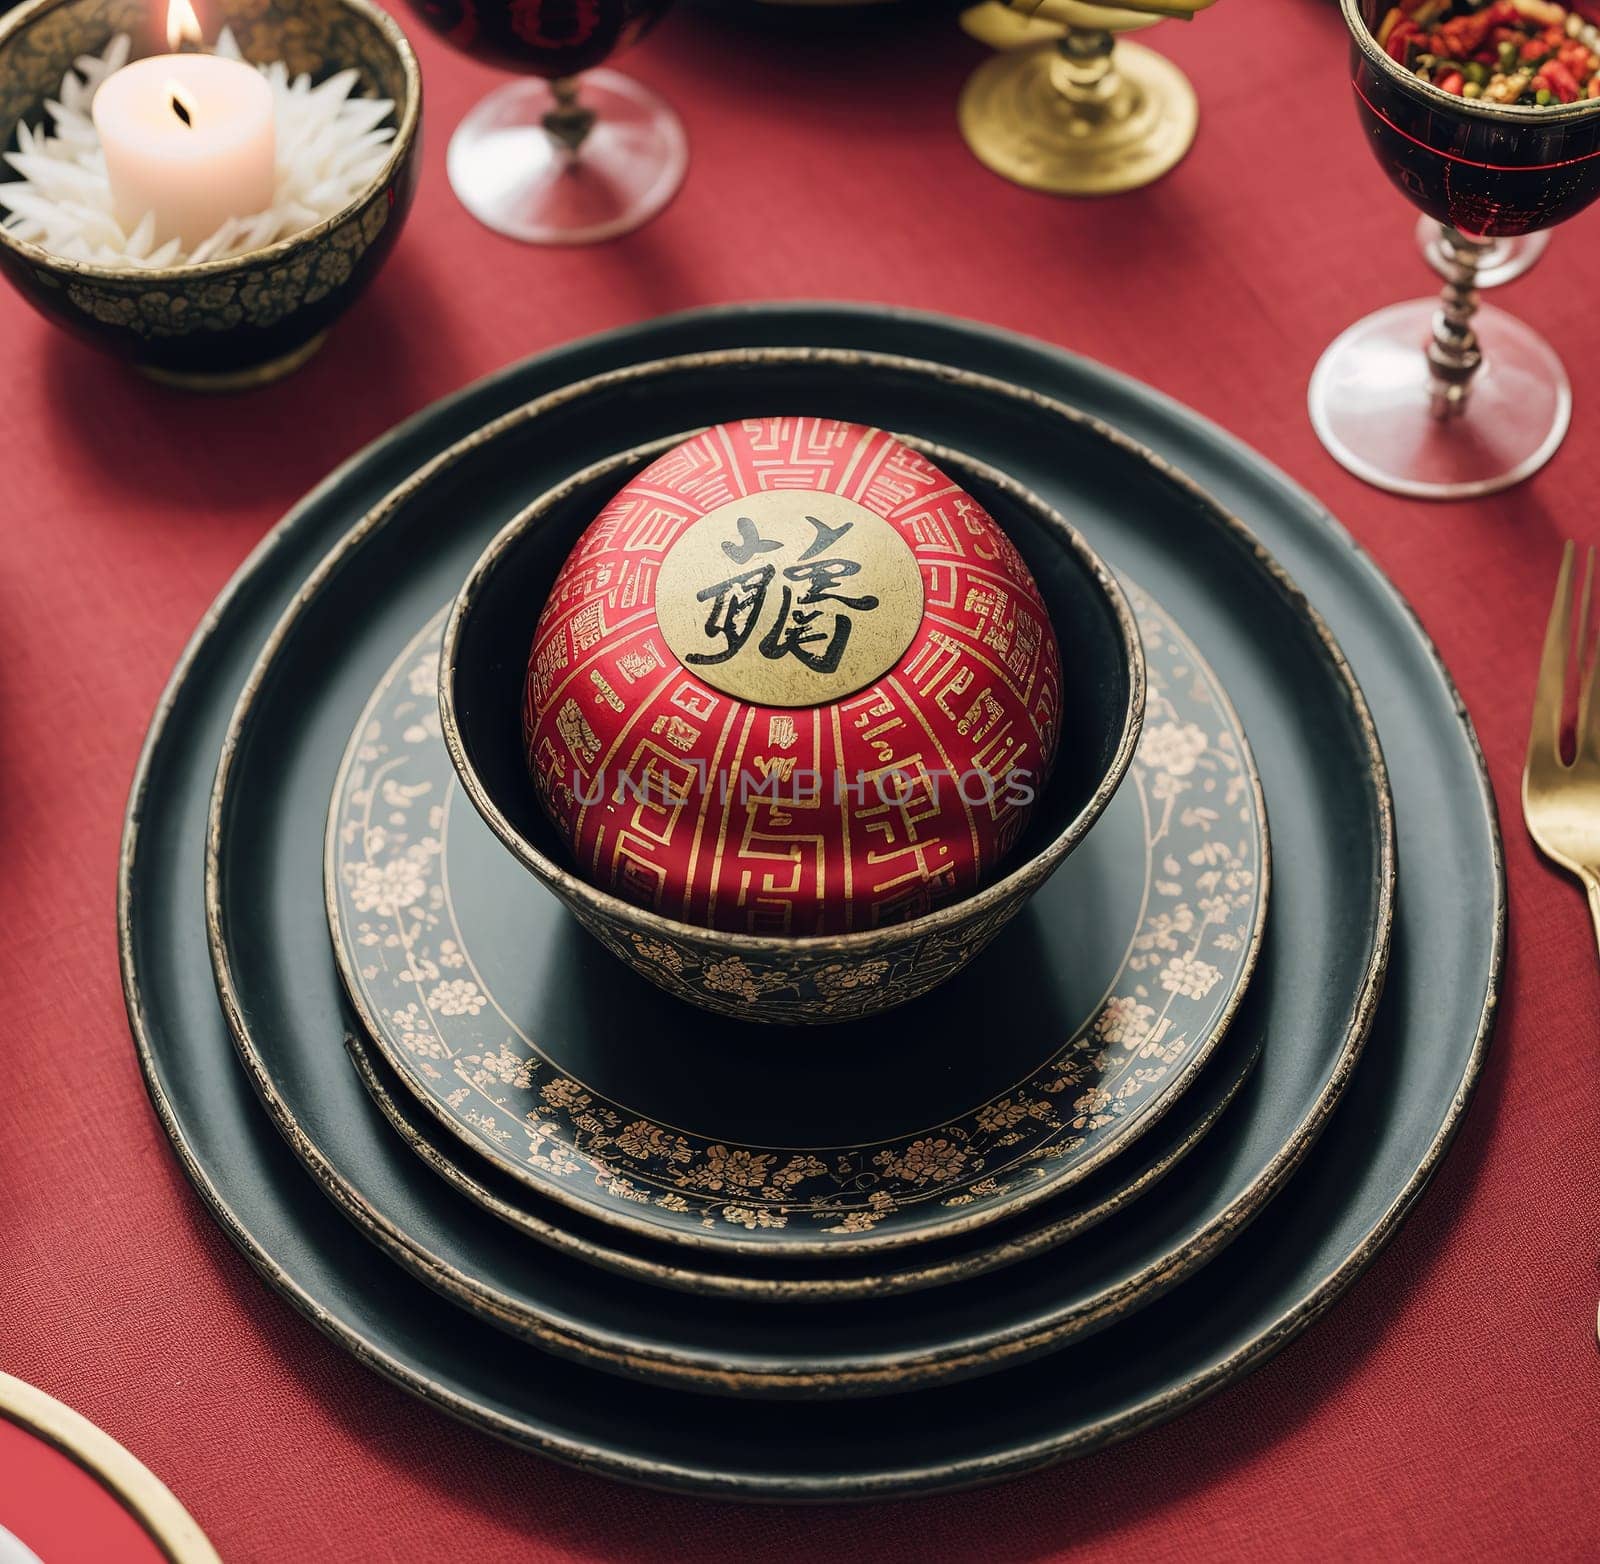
(1560, 81)
(1529, 53)
(1400, 35)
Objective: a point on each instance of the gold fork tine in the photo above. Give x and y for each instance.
(1588, 729)
(1544, 737)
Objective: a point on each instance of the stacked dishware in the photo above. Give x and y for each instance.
(775, 1215)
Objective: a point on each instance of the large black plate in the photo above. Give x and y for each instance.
(1406, 1100)
(799, 1087)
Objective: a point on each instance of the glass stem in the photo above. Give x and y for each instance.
(1454, 354)
(1084, 72)
(569, 122)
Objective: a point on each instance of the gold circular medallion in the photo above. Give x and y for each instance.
(789, 597)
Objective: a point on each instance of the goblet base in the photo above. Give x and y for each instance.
(515, 177)
(1371, 401)
(1504, 260)
(1018, 122)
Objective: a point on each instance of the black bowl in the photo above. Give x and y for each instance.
(219, 324)
(774, 978)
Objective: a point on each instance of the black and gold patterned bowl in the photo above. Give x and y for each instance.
(218, 325)
(774, 978)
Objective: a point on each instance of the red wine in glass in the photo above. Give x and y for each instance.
(551, 38)
(1445, 398)
(573, 153)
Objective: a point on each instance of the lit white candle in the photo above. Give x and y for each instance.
(187, 138)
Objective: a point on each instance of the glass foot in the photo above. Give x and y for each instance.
(1504, 260)
(1371, 405)
(516, 178)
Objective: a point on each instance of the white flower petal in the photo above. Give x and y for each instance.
(331, 147)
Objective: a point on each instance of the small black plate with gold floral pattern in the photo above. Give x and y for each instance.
(591, 1090)
(282, 999)
(429, 994)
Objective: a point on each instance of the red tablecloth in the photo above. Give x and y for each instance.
(1450, 1405)
(57, 1510)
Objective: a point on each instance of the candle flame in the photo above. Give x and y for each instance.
(182, 103)
(183, 26)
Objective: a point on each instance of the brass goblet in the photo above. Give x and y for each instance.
(1077, 113)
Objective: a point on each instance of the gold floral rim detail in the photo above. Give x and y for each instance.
(434, 1016)
(986, 1249)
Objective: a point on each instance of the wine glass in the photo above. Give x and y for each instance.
(1448, 398)
(571, 154)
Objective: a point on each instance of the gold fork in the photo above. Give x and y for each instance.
(1561, 800)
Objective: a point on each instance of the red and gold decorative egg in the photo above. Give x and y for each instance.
(792, 680)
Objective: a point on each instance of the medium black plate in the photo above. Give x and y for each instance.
(1316, 755)
(1404, 1105)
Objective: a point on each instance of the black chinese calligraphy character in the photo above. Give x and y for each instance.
(735, 609)
(826, 536)
(822, 577)
(750, 543)
(797, 630)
